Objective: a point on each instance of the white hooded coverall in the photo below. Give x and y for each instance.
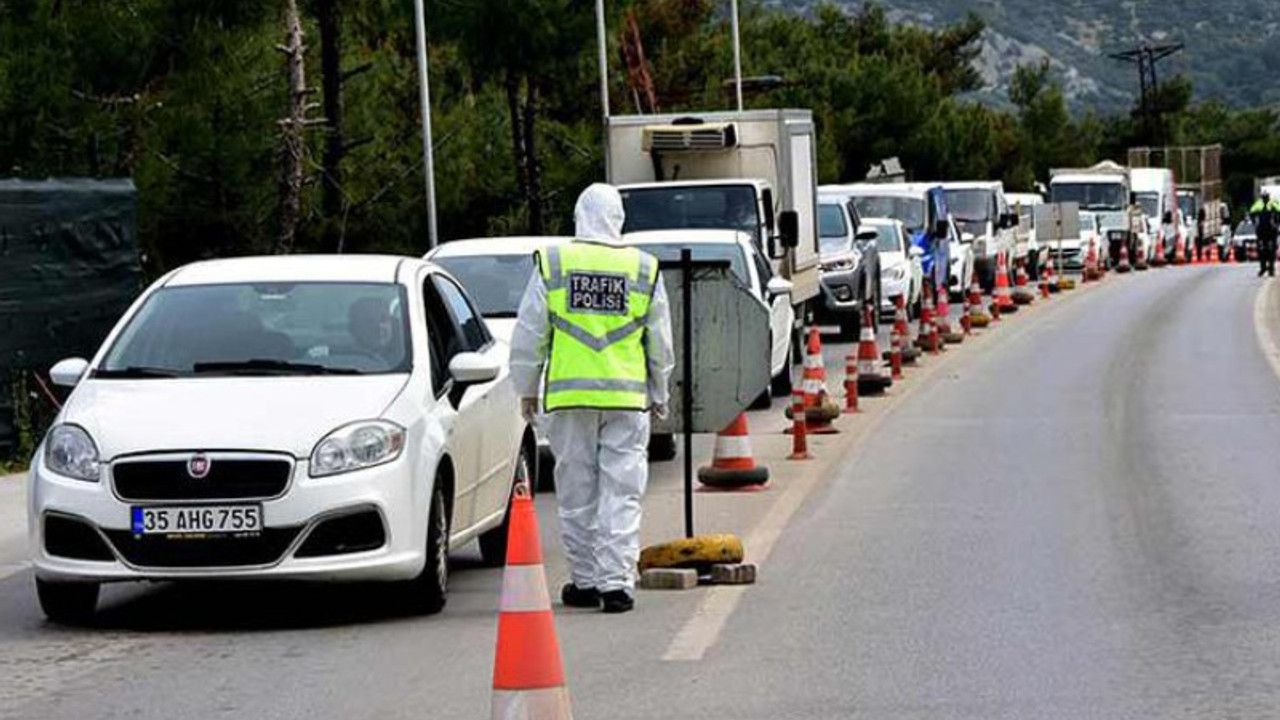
(601, 455)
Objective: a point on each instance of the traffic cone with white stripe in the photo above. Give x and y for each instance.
(978, 317)
(871, 381)
(1123, 265)
(799, 440)
(1091, 273)
(901, 326)
(1140, 262)
(943, 319)
(528, 673)
(732, 463)
(1046, 274)
(1157, 259)
(1022, 294)
(928, 340)
(819, 408)
(1179, 250)
(896, 341)
(1003, 293)
(851, 384)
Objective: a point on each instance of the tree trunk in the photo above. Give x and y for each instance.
(292, 175)
(517, 132)
(332, 201)
(533, 191)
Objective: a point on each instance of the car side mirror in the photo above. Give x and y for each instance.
(777, 287)
(942, 229)
(789, 229)
(915, 252)
(766, 197)
(867, 236)
(69, 372)
(1168, 218)
(1011, 220)
(472, 368)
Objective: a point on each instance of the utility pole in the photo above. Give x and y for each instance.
(424, 97)
(1146, 57)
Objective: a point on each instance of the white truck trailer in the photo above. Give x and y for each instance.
(753, 171)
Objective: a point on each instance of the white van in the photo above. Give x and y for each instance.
(1155, 191)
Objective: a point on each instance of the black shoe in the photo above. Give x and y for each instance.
(617, 601)
(574, 596)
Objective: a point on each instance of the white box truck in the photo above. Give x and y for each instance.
(754, 171)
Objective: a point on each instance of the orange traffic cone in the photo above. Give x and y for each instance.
(1123, 265)
(1003, 294)
(819, 409)
(928, 336)
(870, 380)
(1022, 294)
(850, 384)
(902, 326)
(732, 463)
(1158, 259)
(1179, 250)
(978, 317)
(528, 674)
(1043, 282)
(943, 319)
(1140, 262)
(1090, 273)
(896, 342)
(799, 440)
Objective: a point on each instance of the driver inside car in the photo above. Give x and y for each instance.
(371, 326)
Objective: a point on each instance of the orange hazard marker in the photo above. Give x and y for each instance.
(799, 439)
(1123, 265)
(870, 379)
(928, 340)
(732, 463)
(819, 409)
(528, 674)
(1003, 294)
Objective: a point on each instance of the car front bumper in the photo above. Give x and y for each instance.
(288, 522)
(840, 292)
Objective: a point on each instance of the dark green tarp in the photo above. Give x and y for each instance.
(69, 267)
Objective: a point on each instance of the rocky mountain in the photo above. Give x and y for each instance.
(1232, 47)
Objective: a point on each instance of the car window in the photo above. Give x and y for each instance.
(265, 328)
(475, 336)
(495, 282)
(443, 339)
(831, 222)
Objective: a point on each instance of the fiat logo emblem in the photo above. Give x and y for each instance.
(198, 466)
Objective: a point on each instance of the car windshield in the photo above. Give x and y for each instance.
(670, 252)
(887, 238)
(1090, 195)
(273, 328)
(970, 206)
(716, 207)
(495, 282)
(833, 229)
(1150, 203)
(908, 210)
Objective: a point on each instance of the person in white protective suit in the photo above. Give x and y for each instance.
(594, 336)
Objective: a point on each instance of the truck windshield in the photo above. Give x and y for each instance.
(910, 210)
(1090, 195)
(1188, 206)
(970, 206)
(683, 207)
(1150, 203)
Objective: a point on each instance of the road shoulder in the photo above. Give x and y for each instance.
(1266, 322)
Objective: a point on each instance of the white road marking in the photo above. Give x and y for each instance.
(1264, 321)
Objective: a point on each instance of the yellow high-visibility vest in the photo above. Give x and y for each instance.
(598, 297)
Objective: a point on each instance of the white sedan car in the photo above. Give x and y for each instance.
(319, 418)
(900, 262)
(749, 266)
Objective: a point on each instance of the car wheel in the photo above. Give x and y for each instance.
(431, 587)
(493, 544)
(780, 385)
(68, 603)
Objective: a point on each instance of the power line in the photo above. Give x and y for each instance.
(1146, 57)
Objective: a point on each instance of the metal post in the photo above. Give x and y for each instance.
(603, 59)
(425, 99)
(737, 53)
(686, 392)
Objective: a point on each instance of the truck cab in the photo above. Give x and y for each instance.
(752, 171)
(986, 224)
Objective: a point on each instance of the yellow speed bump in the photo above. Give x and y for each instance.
(699, 552)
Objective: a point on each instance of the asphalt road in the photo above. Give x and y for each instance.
(1072, 517)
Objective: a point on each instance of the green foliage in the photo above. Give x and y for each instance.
(185, 97)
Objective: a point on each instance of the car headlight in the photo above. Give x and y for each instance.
(68, 450)
(357, 446)
(894, 274)
(839, 265)
(980, 247)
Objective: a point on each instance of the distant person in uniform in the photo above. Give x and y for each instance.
(1266, 219)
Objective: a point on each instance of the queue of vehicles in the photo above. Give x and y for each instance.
(326, 418)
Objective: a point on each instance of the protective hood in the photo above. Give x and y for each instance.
(598, 215)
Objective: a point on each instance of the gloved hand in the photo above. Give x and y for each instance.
(528, 408)
(659, 411)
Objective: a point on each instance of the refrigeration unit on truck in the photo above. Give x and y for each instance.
(1197, 175)
(753, 171)
(1103, 189)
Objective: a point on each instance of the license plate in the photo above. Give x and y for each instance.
(196, 520)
